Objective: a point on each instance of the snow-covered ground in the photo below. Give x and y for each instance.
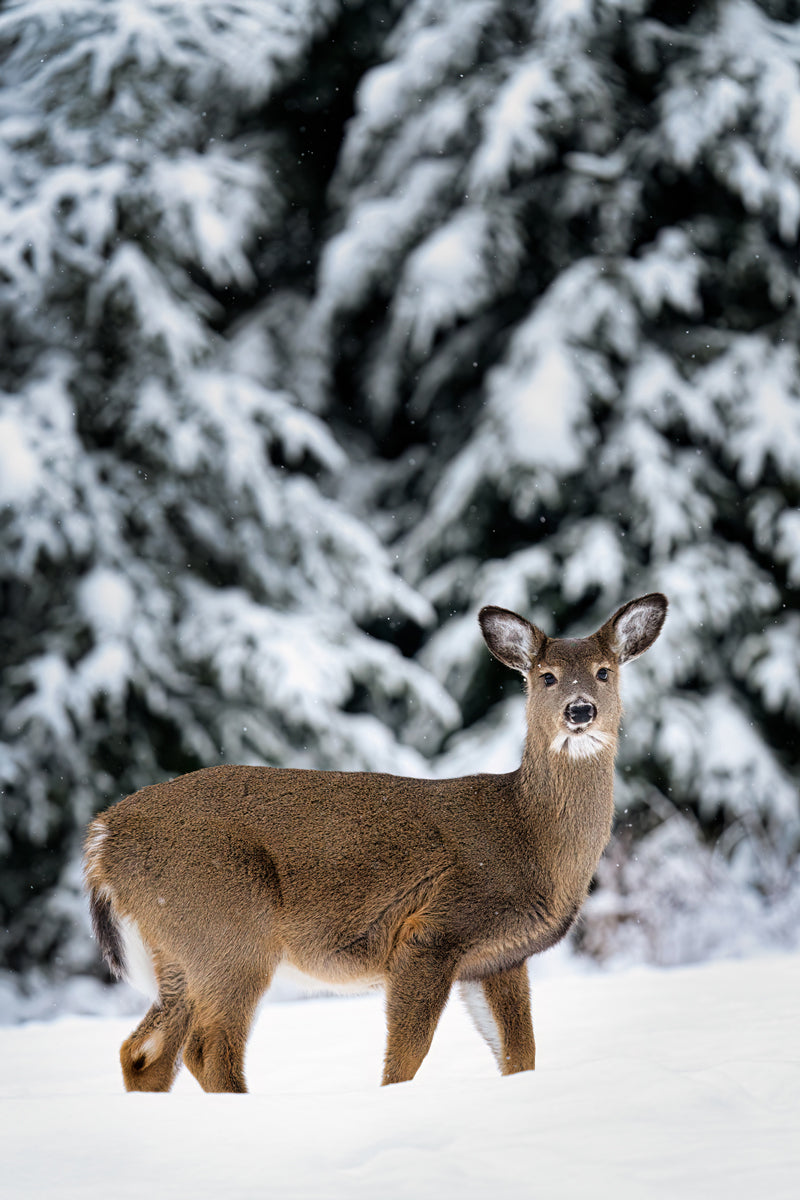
(675, 1083)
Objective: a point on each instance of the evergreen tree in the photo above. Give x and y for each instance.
(568, 239)
(179, 584)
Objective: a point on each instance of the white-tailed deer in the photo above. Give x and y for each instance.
(216, 878)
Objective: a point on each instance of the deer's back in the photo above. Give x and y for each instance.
(325, 820)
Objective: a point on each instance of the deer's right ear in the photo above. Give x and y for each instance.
(511, 639)
(634, 627)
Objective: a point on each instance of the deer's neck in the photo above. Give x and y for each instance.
(568, 803)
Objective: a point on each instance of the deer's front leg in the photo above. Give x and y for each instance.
(417, 986)
(500, 1007)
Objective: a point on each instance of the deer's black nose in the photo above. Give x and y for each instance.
(580, 712)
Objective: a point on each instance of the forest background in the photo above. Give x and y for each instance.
(324, 323)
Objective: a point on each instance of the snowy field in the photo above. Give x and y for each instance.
(674, 1084)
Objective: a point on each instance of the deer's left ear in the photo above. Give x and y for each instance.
(634, 627)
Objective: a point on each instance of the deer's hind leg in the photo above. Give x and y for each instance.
(149, 1057)
(222, 1014)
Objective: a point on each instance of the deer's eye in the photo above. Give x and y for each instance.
(549, 679)
(602, 674)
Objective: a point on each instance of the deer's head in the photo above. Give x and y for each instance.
(574, 703)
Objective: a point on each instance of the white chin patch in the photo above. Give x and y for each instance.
(581, 745)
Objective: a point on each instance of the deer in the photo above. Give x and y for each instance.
(201, 887)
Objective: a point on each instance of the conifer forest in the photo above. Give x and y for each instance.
(324, 323)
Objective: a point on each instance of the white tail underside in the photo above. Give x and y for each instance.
(139, 970)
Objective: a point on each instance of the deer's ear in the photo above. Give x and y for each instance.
(634, 627)
(511, 639)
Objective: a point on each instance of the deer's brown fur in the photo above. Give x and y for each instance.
(359, 878)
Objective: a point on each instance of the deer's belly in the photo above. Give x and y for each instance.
(290, 976)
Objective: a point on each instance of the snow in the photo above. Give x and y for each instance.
(446, 278)
(516, 124)
(106, 599)
(209, 199)
(539, 411)
(773, 658)
(649, 1084)
(19, 469)
(358, 255)
(668, 272)
(425, 53)
(596, 560)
